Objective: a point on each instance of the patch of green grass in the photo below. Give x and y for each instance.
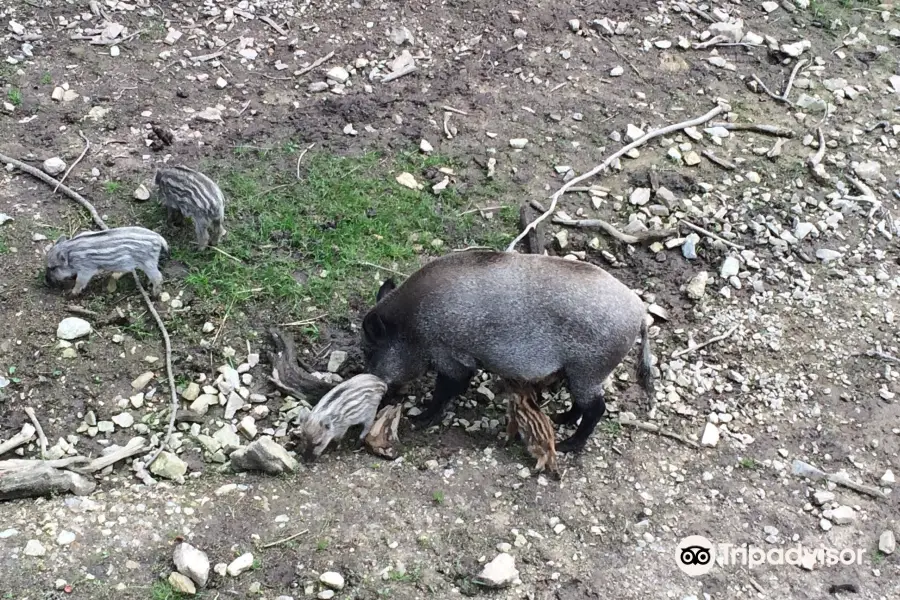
(46, 79)
(322, 545)
(438, 497)
(257, 565)
(112, 187)
(749, 463)
(163, 590)
(611, 428)
(15, 96)
(326, 241)
(3, 247)
(877, 557)
(410, 576)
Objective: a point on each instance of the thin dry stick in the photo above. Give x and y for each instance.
(711, 234)
(883, 356)
(222, 252)
(271, 23)
(766, 129)
(623, 57)
(368, 264)
(313, 64)
(455, 110)
(718, 161)
(647, 236)
(790, 83)
(299, 158)
(159, 322)
(224, 320)
(639, 142)
(398, 74)
(87, 146)
(40, 430)
(285, 540)
(713, 340)
(652, 428)
(773, 95)
(814, 159)
(474, 210)
(304, 321)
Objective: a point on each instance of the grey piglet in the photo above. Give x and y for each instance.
(188, 193)
(353, 402)
(118, 250)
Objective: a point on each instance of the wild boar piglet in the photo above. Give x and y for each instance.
(188, 193)
(117, 250)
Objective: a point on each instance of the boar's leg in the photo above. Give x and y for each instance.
(590, 402)
(174, 216)
(568, 418)
(446, 388)
(202, 233)
(82, 279)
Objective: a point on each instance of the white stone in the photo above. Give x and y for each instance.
(518, 143)
(730, 267)
(888, 478)
(65, 538)
(633, 133)
(336, 361)
(500, 572)
(338, 75)
(192, 562)
(887, 543)
(124, 420)
(424, 146)
(240, 564)
(710, 436)
(54, 166)
(34, 548)
(72, 328)
(640, 196)
(332, 579)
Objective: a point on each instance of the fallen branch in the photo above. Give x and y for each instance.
(271, 23)
(380, 268)
(40, 430)
(382, 439)
(713, 340)
(771, 94)
(647, 236)
(455, 110)
(41, 479)
(685, 7)
(287, 375)
(605, 164)
(285, 540)
(223, 253)
(879, 354)
(314, 64)
(804, 469)
(790, 83)
(15, 464)
(134, 446)
(299, 158)
(17, 440)
(653, 428)
(815, 159)
(398, 74)
(87, 146)
(708, 233)
(159, 322)
(773, 130)
(718, 161)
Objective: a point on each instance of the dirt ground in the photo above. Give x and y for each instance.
(793, 381)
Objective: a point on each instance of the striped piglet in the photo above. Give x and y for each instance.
(353, 402)
(188, 193)
(118, 250)
(525, 417)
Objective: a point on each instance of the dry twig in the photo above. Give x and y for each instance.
(774, 130)
(398, 74)
(621, 152)
(271, 23)
(87, 146)
(17, 440)
(647, 236)
(314, 64)
(653, 428)
(719, 161)
(712, 340)
(159, 322)
(299, 158)
(285, 540)
(815, 159)
(708, 233)
(40, 430)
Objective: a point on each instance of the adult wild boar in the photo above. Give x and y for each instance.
(524, 317)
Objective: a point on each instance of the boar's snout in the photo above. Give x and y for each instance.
(309, 455)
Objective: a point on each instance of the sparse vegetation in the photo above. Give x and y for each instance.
(14, 95)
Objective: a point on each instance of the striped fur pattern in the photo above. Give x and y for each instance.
(353, 402)
(188, 193)
(118, 250)
(524, 416)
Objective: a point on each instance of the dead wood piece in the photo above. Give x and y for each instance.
(713, 340)
(134, 446)
(40, 430)
(14, 464)
(706, 232)
(314, 64)
(534, 237)
(718, 161)
(382, 440)
(398, 74)
(287, 376)
(271, 23)
(17, 440)
(653, 428)
(642, 238)
(612, 158)
(42, 480)
(773, 130)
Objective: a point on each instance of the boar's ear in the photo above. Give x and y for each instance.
(374, 327)
(386, 288)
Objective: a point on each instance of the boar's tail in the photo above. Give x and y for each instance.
(644, 369)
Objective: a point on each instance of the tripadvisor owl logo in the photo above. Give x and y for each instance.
(695, 555)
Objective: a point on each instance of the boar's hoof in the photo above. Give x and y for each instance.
(427, 419)
(571, 445)
(568, 418)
